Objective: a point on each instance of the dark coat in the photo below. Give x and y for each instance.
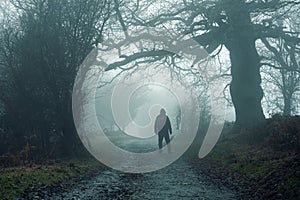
(162, 125)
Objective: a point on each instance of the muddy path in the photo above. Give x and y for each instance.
(183, 179)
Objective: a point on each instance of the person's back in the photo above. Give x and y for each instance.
(162, 127)
(166, 125)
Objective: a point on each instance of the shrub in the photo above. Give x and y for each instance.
(284, 132)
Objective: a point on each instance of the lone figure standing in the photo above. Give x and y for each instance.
(162, 128)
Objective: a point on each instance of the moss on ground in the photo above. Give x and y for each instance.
(275, 172)
(14, 181)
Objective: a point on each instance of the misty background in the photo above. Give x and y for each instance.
(44, 43)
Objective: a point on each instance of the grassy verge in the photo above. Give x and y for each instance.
(274, 173)
(14, 181)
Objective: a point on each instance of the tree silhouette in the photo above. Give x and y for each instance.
(236, 25)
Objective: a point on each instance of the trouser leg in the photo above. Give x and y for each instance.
(167, 138)
(160, 140)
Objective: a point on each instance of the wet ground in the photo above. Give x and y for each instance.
(180, 180)
(177, 181)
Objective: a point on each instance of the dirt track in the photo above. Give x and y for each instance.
(183, 179)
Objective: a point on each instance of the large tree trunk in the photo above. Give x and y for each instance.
(287, 100)
(245, 88)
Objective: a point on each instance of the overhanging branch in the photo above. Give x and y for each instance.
(136, 56)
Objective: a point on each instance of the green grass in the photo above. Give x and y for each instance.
(247, 159)
(258, 162)
(14, 181)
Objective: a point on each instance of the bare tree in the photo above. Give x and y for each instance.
(282, 83)
(234, 24)
(282, 70)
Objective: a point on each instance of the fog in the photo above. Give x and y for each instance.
(144, 105)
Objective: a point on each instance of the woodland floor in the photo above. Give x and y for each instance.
(186, 178)
(262, 163)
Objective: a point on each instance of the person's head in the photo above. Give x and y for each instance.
(162, 111)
